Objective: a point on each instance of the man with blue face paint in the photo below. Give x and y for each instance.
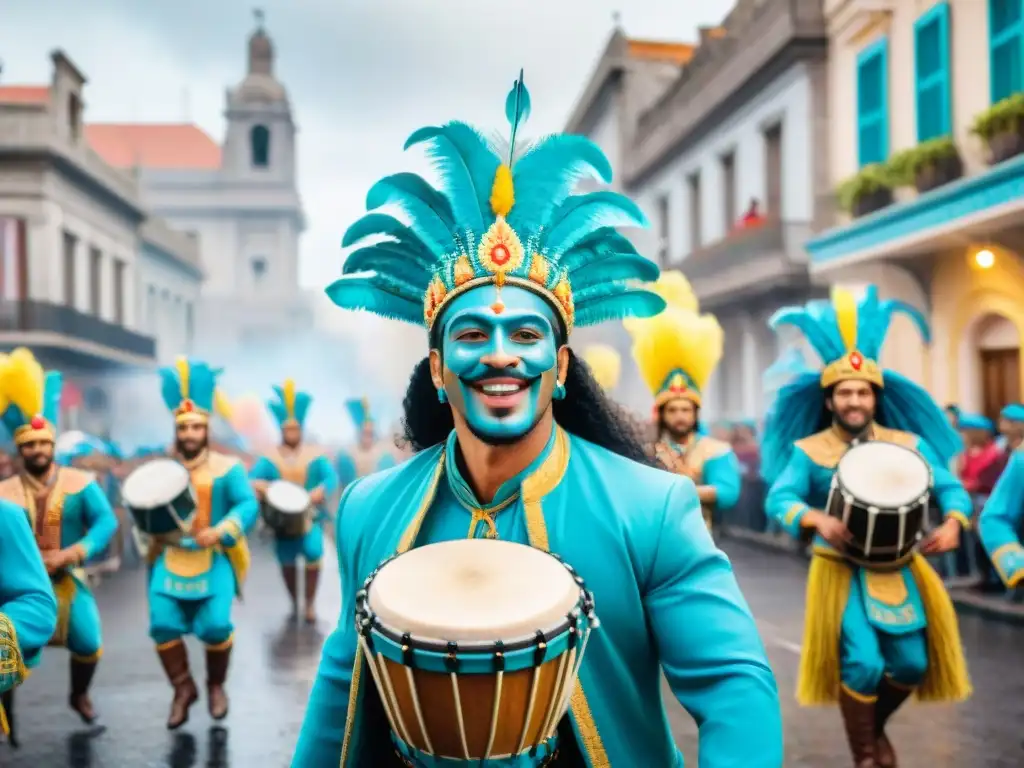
(518, 442)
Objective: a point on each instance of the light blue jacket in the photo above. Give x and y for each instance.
(1002, 522)
(667, 599)
(308, 468)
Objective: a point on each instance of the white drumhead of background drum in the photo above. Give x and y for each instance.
(473, 590)
(287, 497)
(154, 484)
(884, 475)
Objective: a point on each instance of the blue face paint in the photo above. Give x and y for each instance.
(500, 368)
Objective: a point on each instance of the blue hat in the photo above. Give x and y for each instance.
(291, 405)
(976, 421)
(190, 389)
(1012, 412)
(29, 398)
(359, 410)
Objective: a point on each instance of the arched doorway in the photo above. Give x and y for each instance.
(997, 345)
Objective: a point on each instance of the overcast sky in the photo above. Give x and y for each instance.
(361, 76)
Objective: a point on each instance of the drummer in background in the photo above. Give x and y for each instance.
(192, 585)
(72, 518)
(1002, 520)
(517, 441)
(871, 637)
(676, 352)
(369, 454)
(308, 467)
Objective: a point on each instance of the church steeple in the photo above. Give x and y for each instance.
(261, 50)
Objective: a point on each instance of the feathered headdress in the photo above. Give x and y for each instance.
(1012, 412)
(189, 389)
(32, 397)
(291, 405)
(677, 350)
(359, 410)
(605, 364)
(501, 217)
(848, 336)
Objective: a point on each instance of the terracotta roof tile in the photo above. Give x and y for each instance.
(658, 50)
(180, 146)
(24, 94)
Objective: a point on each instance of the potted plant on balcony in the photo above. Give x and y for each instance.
(1002, 128)
(930, 164)
(868, 191)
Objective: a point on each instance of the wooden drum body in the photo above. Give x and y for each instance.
(159, 496)
(880, 491)
(287, 509)
(475, 646)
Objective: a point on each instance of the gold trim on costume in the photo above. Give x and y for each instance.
(1009, 579)
(64, 590)
(92, 658)
(222, 646)
(852, 366)
(888, 588)
(862, 697)
(791, 513)
(960, 517)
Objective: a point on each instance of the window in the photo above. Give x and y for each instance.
(189, 325)
(259, 268)
(695, 211)
(95, 270)
(119, 292)
(931, 73)
(729, 190)
(151, 310)
(773, 169)
(259, 139)
(873, 104)
(663, 230)
(13, 260)
(1005, 42)
(70, 246)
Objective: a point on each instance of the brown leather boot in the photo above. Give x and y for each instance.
(890, 698)
(81, 678)
(216, 675)
(175, 661)
(859, 719)
(291, 581)
(312, 582)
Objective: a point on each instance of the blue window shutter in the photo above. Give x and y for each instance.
(931, 73)
(1006, 47)
(873, 103)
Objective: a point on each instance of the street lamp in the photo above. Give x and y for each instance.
(985, 259)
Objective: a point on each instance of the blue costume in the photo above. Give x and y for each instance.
(676, 352)
(1001, 525)
(191, 588)
(369, 454)
(872, 636)
(499, 266)
(307, 467)
(71, 517)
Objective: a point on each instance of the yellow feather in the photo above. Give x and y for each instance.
(845, 305)
(4, 402)
(289, 397)
(502, 192)
(22, 381)
(677, 339)
(221, 405)
(675, 289)
(605, 364)
(183, 370)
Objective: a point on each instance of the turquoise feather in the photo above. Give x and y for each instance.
(415, 258)
(628, 302)
(517, 111)
(606, 237)
(594, 211)
(548, 173)
(374, 224)
(380, 259)
(430, 213)
(358, 292)
(616, 267)
(458, 148)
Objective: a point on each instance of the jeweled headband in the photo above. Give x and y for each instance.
(503, 215)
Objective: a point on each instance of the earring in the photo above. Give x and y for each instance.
(442, 396)
(559, 393)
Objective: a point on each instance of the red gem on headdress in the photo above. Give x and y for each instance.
(500, 254)
(856, 361)
(38, 422)
(677, 389)
(187, 406)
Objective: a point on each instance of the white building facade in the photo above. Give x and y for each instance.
(170, 285)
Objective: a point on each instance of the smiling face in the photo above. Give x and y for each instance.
(499, 369)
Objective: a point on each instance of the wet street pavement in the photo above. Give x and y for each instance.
(275, 662)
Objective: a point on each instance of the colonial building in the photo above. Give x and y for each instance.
(170, 281)
(724, 148)
(928, 158)
(239, 198)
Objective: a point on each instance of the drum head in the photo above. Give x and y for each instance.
(154, 484)
(473, 590)
(884, 475)
(287, 497)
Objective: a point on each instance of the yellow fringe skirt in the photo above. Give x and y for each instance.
(828, 590)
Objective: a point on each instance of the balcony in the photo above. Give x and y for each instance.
(749, 262)
(61, 335)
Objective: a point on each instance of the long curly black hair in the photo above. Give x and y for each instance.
(585, 412)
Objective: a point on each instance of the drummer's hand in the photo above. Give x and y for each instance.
(208, 537)
(316, 496)
(945, 538)
(831, 529)
(260, 487)
(62, 558)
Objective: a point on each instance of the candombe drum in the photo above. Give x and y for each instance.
(475, 646)
(287, 509)
(880, 491)
(159, 496)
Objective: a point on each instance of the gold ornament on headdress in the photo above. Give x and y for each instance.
(852, 366)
